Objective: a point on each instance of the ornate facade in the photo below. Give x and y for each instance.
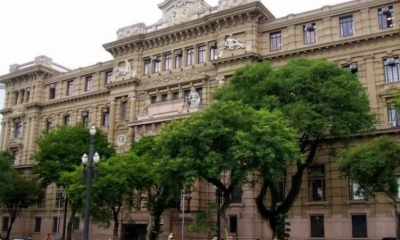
(169, 69)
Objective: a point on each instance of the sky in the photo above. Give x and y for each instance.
(72, 32)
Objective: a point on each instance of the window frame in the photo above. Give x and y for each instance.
(105, 117)
(52, 91)
(275, 41)
(190, 56)
(316, 229)
(386, 21)
(391, 69)
(124, 110)
(109, 77)
(38, 224)
(70, 88)
(201, 54)
(316, 183)
(168, 61)
(88, 83)
(360, 230)
(346, 26)
(309, 33)
(147, 66)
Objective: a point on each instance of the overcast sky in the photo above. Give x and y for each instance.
(72, 32)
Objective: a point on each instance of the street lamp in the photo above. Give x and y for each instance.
(88, 162)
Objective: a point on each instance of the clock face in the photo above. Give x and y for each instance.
(121, 139)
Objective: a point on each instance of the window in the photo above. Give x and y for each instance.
(109, 77)
(15, 160)
(346, 26)
(164, 97)
(22, 96)
(178, 58)
(16, 96)
(309, 33)
(157, 64)
(316, 183)
(359, 226)
(49, 123)
(38, 224)
(386, 17)
(105, 118)
(70, 87)
(275, 40)
(6, 222)
(317, 226)
(280, 190)
(354, 193)
(59, 200)
(88, 83)
(147, 66)
(175, 95)
(67, 119)
(233, 224)
(392, 71)
(236, 195)
(76, 223)
(28, 94)
(201, 54)
(52, 91)
(393, 116)
(213, 50)
(124, 110)
(168, 61)
(353, 67)
(153, 99)
(189, 56)
(85, 119)
(55, 225)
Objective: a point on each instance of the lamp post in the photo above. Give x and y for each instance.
(218, 196)
(89, 173)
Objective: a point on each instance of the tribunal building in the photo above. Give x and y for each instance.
(196, 47)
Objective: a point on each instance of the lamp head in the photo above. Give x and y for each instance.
(84, 159)
(92, 130)
(96, 158)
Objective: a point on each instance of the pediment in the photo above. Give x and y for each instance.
(171, 79)
(390, 91)
(179, 11)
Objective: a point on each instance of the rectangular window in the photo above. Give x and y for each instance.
(317, 226)
(201, 54)
(22, 96)
(147, 66)
(153, 99)
(157, 64)
(316, 183)
(359, 226)
(55, 227)
(70, 87)
(16, 96)
(59, 200)
(124, 110)
(164, 97)
(52, 91)
(38, 224)
(76, 223)
(6, 222)
(233, 224)
(236, 195)
(109, 77)
(354, 191)
(178, 58)
(105, 118)
(352, 67)
(189, 56)
(85, 119)
(392, 69)
(393, 116)
(275, 40)
(88, 83)
(67, 119)
(280, 190)
(175, 95)
(309, 33)
(168, 61)
(213, 50)
(49, 123)
(28, 94)
(386, 17)
(346, 26)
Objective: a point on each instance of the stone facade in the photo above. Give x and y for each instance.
(196, 48)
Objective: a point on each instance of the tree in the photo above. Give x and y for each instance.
(7, 173)
(60, 151)
(23, 194)
(226, 143)
(319, 99)
(373, 167)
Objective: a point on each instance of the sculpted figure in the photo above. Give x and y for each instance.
(231, 43)
(194, 98)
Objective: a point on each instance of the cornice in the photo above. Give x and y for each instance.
(123, 83)
(322, 46)
(101, 66)
(5, 110)
(250, 55)
(29, 73)
(75, 98)
(190, 30)
(158, 119)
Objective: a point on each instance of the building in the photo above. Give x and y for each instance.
(197, 47)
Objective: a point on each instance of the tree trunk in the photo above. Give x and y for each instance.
(12, 218)
(71, 223)
(116, 225)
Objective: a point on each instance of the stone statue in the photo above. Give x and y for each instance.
(123, 70)
(231, 43)
(194, 98)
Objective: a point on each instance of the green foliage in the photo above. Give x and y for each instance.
(203, 221)
(373, 166)
(7, 173)
(61, 150)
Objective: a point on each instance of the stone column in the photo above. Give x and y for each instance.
(3, 136)
(26, 135)
(370, 84)
(132, 115)
(32, 138)
(110, 136)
